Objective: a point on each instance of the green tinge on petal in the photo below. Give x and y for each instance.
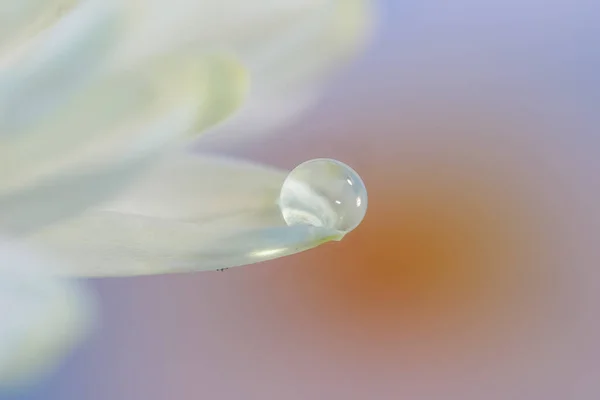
(352, 25)
(106, 135)
(290, 61)
(228, 85)
(307, 50)
(43, 317)
(211, 214)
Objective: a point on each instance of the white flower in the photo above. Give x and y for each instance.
(99, 102)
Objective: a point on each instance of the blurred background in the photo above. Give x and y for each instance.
(474, 125)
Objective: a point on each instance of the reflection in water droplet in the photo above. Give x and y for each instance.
(323, 193)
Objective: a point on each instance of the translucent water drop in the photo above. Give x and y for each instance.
(323, 193)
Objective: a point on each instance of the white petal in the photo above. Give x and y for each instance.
(163, 26)
(289, 67)
(56, 63)
(266, 111)
(306, 49)
(191, 214)
(276, 38)
(21, 20)
(109, 133)
(43, 317)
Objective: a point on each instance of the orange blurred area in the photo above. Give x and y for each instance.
(461, 241)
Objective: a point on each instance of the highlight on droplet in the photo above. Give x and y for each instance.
(324, 193)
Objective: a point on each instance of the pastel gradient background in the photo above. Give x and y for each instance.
(475, 274)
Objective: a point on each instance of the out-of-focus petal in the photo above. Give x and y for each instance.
(290, 47)
(290, 66)
(305, 50)
(109, 133)
(42, 317)
(98, 123)
(40, 76)
(166, 26)
(190, 214)
(20, 20)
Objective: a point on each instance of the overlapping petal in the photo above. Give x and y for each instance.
(290, 64)
(108, 134)
(79, 107)
(98, 101)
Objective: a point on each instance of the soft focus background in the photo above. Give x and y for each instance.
(475, 126)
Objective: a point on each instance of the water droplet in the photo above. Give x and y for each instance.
(323, 193)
